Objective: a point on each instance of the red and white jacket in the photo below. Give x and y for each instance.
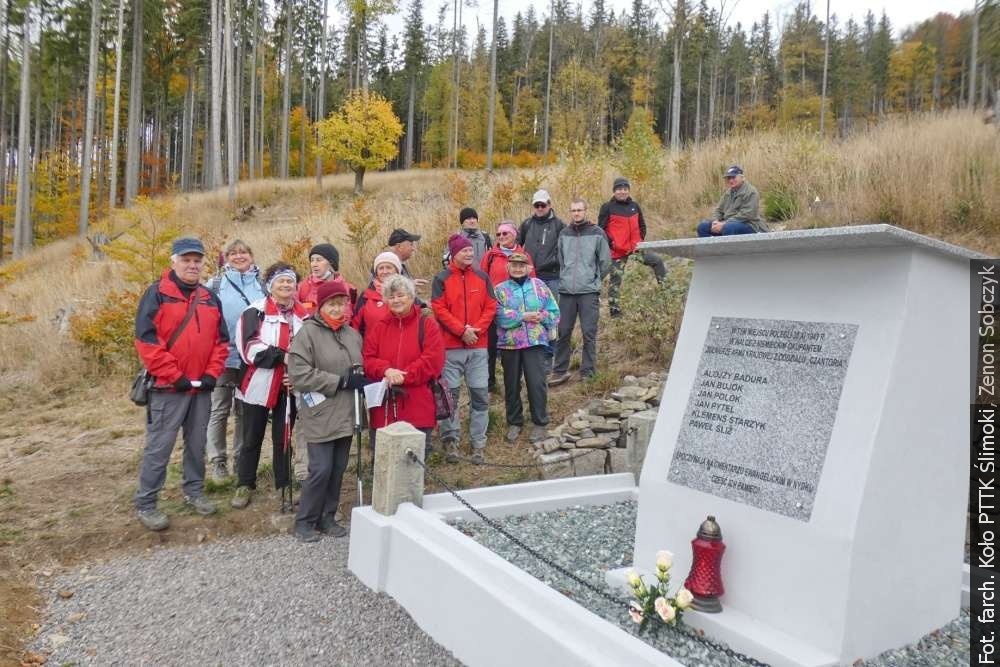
(263, 336)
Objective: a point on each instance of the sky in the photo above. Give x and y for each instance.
(902, 13)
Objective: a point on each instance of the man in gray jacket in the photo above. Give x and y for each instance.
(584, 261)
(738, 211)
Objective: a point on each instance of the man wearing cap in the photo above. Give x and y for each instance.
(182, 340)
(468, 221)
(539, 234)
(464, 304)
(738, 211)
(622, 221)
(404, 244)
(585, 260)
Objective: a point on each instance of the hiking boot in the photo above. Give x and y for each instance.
(200, 504)
(538, 433)
(306, 534)
(477, 456)
(328, 526)
(153, 519)
(513, 433)
(558, 379)
(450, 451)
(241, 498)
(219, 471)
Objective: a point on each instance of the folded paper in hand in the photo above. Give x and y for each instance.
(375, 393)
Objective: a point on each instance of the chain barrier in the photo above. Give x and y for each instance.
(681, 630)
(528, 465)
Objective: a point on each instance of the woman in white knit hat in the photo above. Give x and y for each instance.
(371, 307)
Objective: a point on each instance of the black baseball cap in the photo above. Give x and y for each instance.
(399, 235)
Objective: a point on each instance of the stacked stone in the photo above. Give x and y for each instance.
(593, 439)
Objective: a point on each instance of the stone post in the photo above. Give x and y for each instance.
(397, 479)
(640, 431)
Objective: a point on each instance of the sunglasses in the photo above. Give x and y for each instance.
(541, 205)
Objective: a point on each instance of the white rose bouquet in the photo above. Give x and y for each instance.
(654, 601)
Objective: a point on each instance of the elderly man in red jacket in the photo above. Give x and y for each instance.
(464, 304)
(183, 341)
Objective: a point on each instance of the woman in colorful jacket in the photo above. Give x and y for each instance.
(237, 286)
(324, 365)
(264, 334)
(527, 317)
(406, 349)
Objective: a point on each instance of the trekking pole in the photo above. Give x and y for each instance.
(288, 505)
(357, 436)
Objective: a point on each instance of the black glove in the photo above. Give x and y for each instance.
(207, 382)
(353, 381)
(182, 384)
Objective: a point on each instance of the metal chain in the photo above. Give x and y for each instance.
(688, 632)
(528, 465)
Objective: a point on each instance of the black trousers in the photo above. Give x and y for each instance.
(321, 489)
(254, 425)
(491, 347)
(529, 362)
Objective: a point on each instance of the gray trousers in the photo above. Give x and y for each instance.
(586, 307)
(529, 363)
(223, 401)
(169, 412)
(473, 366)
(321, 489)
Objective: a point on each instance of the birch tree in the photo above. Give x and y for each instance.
(134, 138)
(23, 233)
(88, 132)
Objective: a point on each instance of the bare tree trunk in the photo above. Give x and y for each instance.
(187, 130)
(408, 151)
(116, 123)
(491, 118)
(134, 143)
(458, 81)
(216, 124)
(321, 98)
(286, 92)
(230, 103)
(23, 233)
(548, 79)
(697, 106)
(974, 54)
(88, 131)
(675, 118)
(3, 123)
(826, 66)
(302, 125)
(252, 139)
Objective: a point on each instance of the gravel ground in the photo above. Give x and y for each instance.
(601, 539)
(265, 602)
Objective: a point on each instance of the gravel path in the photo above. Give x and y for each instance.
(272, 601)
(601, 538)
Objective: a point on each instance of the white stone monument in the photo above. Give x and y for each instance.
(817, 407)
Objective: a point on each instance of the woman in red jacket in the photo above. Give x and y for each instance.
(405, 349)
(371, 307)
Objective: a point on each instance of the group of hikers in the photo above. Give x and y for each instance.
(269, 345)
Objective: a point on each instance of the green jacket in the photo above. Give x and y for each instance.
(743, 203)
(318, 358)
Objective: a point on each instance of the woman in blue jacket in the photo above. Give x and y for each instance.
(237, 286)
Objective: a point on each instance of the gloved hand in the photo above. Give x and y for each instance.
(182, 384)
(353, 381)
(207, 382)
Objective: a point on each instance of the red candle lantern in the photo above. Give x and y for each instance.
(705, 578)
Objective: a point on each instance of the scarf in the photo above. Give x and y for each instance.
(333, 323)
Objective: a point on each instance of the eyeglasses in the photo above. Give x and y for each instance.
(505, 233)
(540, 205)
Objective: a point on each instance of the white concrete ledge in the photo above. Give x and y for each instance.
(476, 604)
(826, 238)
